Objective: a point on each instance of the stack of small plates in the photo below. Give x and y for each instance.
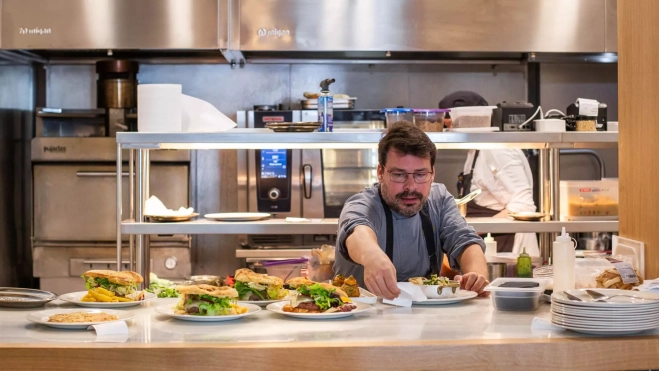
(634, 312)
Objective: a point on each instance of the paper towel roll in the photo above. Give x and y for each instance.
(159, 108)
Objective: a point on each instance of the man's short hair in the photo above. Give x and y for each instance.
(406, 139)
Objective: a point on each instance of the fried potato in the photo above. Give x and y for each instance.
(103, 291)
(119, 299)
(88, 298)
(100, 297)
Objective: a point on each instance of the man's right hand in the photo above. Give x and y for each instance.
(380, 277)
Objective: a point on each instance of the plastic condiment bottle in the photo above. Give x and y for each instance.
(326, 106)
(563, 259)
(490, 245)
(524, 265)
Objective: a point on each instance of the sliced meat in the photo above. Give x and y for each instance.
(192, 310)
(253, 296)
(346, 308)
(308, 306)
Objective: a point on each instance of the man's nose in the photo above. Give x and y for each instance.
(410, 184)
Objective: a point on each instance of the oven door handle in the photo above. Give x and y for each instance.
(98, 174)
(307, 176)
(103, 262)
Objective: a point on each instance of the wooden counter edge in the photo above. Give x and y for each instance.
(584, 353)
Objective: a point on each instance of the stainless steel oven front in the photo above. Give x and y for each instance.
(310, 183)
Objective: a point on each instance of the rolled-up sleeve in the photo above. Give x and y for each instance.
(358, 210)
(455, 234)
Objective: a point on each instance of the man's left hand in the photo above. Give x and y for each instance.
(473, 282)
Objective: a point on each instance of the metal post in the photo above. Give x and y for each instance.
(146, 253)
(554, 180)
(544, 190)
(119, 207)
(139, 217)
(131, 192)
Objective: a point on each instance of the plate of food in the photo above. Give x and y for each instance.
(317, 300)
(77, 318)
(258, 289)
(437, 287)
(110, 289)
(355, 293)
(206, 303)
(458, 297)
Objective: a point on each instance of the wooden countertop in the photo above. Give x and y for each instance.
(471, 335)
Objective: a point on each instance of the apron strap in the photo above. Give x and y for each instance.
(426, 227)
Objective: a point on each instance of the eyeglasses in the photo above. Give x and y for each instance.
(401, 176)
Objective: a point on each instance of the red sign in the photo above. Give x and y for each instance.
(273, 119)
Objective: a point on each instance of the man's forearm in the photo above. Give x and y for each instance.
(362, 243)
(472, 259)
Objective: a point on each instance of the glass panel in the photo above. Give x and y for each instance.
(346, 172)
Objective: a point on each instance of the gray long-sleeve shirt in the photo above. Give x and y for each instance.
(452, 233)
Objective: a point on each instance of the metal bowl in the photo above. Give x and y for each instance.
(16, 297)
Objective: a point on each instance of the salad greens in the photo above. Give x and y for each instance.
(244, 291)
(91, 282)
(321, 296)
(162, 287)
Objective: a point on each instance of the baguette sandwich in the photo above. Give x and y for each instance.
(123, 284)
(207, 300)
(256, 286)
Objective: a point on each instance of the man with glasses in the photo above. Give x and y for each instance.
(402, 226)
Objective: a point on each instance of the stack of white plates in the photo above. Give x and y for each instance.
(634, 312)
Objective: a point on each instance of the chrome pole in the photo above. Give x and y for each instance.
(131, 187)
(119, 207)
(544, 200)
(554, 181)
(139, 218)
(146, 253)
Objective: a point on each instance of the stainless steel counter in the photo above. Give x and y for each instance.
(329, 226)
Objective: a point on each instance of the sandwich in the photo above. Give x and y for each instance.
(207, 300)
(122, 284)
(317, 297)
(256, 286)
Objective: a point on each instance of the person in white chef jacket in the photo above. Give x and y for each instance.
(505, 179)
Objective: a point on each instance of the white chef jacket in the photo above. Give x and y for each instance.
(505, 178)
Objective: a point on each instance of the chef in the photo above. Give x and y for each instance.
(402, 226)
(504, 177)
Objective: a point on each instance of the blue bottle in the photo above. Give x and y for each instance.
(326, 107)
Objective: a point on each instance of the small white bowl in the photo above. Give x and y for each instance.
(550, 125)
(439, 292)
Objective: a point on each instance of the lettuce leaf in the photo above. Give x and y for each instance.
(321, 296)
(244, 290)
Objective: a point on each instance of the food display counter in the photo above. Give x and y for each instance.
(469, 335)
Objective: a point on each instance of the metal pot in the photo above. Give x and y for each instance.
(496, 270)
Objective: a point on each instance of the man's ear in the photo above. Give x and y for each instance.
(380, 173)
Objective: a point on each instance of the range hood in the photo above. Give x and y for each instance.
(82, 28)
(281, 30)
(308, 31)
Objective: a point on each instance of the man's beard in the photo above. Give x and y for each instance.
(395, 203)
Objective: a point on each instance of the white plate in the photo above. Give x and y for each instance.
(260, 303)
(237, 217)
(169, 310)
(600, 322)
(617, 302)
(600, 331)
(460, 296)
(366, 297)
(74, 297)
(603, 312)
(278, 308)
(41, 317)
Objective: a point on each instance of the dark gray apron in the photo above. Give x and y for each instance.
(505, 242)
(428, 233)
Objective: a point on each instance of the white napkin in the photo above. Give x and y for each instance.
(649, 285)
(153, 206)
(113, 332)
(202, 117)
(409, 292)
(297, 220)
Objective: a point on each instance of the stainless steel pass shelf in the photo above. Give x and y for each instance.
(329, 226)
(359, 138)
